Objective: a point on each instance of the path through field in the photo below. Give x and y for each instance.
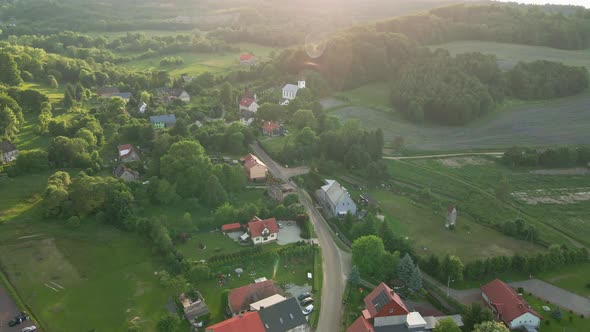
(559, 122)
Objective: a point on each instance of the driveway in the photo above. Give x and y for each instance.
(546, 291)
(289, 233)
(8, 310)
(336, 263)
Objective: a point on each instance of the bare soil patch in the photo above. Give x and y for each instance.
(554, 196)
(563, 171)
(458, 162)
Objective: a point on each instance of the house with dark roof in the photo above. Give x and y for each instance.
(107, 92)
(248, 59)
(163, 121)
(125, 174)
(240, 299)
(263, 231)
(284, 316)
(8, 151)
(336, 199)
(166, 95)
(249, 322)
(509, 307)
(128, 153)
(386, 312)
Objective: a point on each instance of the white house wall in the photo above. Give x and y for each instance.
(526, 319)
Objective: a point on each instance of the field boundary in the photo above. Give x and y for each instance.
(18, 300)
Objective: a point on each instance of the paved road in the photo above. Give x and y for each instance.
(447, 155)
(337, 263)
(542, 289)
(8, 310)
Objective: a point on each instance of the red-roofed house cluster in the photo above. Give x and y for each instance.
(248, 105)
(508, 307)
(386, 311)
(259, 307)
(260, 231)
(272, 128)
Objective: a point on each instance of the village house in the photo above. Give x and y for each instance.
(247, 59)
(510, 308)
(163, 121)
(284, 316)
(256, 169)
(193, 306)
(166, 95)
(8, 151)
(248, 106)
(125, 174)
(386, 311)
(250, 321)
(128, 153)
(240, 299)
(278, 190)
(142, 108)
(272, 128)
(263, 231)
(336, 199)
(290, 91)
(110, 92)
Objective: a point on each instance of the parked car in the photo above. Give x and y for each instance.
(303, 296)
(308, 309)
(307, 301)
(280, 225)
(18, 319)
(32, 328)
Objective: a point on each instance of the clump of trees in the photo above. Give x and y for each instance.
(171, 61)
(564, 156)
(369, 255)
(545, 79)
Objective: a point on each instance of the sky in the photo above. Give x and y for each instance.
(585, 3)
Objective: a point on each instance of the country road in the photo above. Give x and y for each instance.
(447, 155)
(336, 263)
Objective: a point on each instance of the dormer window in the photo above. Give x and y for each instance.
(265, 232)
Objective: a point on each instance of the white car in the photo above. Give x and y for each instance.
(307, 310)
(32, 328)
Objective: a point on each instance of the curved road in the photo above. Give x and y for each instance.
(336, 263)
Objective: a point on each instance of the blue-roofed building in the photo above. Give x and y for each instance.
(163, 121)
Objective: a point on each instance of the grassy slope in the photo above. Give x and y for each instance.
(197, 63)
(510, 54)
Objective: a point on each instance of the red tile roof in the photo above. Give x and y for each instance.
(249, 321)
(231, 227)
(246, 102)
(251, 160)
(239, 299)
(270, 126)
(506, 301)
(383, 301)
(360, 325)
(257, 225)
(128, 148)
(246, 57)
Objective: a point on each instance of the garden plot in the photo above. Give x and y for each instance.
(554, 196)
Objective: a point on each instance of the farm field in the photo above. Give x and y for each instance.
(468, 241)
(94, 277)
(459, 177)
(572, 278)
(510, 54)
(197, 63)
(374, 95)
(545, 123)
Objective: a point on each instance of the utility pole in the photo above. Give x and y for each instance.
(449, 284)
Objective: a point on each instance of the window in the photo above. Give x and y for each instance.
(265, 239)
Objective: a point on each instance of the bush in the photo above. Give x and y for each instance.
(73, 222)
(520, 290)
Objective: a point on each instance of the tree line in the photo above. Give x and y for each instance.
(564, 156)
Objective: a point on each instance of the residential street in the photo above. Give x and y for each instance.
(336, 263)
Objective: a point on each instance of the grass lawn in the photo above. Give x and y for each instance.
(541, 123)
(573, 278)
(550, 324)
(286, 270)
(19, 194)
(197, 63)
(469, 240)
(374, 95)
(510, 54)
(215, 244)
(102, 278)
(274, 145)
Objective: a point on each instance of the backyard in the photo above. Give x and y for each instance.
(568, 322)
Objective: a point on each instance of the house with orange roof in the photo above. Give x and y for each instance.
(128, 153)
(263, 231)
(240, 299)
(248, 59)
(509, 307)
(249, 321)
